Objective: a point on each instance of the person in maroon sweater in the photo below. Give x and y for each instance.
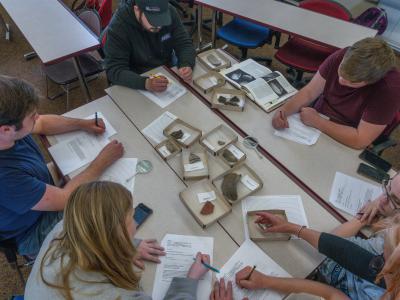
(356, 87)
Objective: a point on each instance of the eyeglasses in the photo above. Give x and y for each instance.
(387, 188)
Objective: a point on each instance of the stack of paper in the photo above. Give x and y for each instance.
(76, 149)
(249, 254)
(155, 129)
(121, 172)
(180, 251)
(350, 194)
(291, 204)
(298, 132)
(174, 91)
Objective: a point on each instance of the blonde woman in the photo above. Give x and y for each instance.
(90, 254)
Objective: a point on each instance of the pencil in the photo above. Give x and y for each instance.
(209, 266)
(251, 272)
(96, 119)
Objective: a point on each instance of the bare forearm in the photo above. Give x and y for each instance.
(293, 285)
(53, 124)
(309, 235)
(303, 98)
(348, 229)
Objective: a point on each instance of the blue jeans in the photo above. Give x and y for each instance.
(31, 243)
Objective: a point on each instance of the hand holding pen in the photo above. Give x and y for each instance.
(96, 125)
(251, 279)
(156, 83)
(198, 268)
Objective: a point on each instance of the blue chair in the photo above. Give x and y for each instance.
(19, 297)
(247, 35)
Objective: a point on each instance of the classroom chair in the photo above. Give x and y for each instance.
(64, 73)
(103, 7)
(302, 55)
(9, 249)
(247, 35)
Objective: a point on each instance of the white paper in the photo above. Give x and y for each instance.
(180, 251)
(235, 151)
(249, 254)
(194, 167)
(164, 151)
(155, 129)
(120, 171)
(174, 91)
(350, 194)
(78, 151)
(249, 182)
(109, 132)
(291, 204)
(298, 132)
(206, 196)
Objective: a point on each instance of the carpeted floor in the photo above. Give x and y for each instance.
(12, 63)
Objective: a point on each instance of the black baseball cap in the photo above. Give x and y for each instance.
(156, 11)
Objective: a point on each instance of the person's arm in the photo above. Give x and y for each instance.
(117, 51)
(54, 124)
(377, 207)
(349, 228)
(302, 98)
(259, 280)
(54, 198)
(356, 138)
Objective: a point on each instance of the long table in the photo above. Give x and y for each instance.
(289, 19)
(295, 256)
(158, 189)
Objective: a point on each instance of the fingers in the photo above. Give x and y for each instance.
(215, 293)
(229, 292)
(100, 123)
(243, 273)
(205, 258)
(138, 263)
(222, 288)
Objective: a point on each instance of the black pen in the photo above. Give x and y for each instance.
(251, 272)
(96, 120)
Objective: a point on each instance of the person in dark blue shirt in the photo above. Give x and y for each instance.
(30, 204)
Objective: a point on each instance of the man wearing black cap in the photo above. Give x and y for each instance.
(143, 35)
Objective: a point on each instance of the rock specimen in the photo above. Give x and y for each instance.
(178, 134)
(229, 186)
(207, 209)
(228, 155)
(193, 158)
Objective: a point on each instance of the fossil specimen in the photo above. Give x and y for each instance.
(178, 134)
(234, 101)
(170, 147)
(221, 143)
(222, 99)
(193, 158)
(207, 209)
(228, 155)
(214, 60)
(229, 186)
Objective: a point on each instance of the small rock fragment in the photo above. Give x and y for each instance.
(207, 209)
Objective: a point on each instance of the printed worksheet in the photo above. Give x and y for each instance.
(180, 252)
(155, 129)
(291, 204)
(121, 172)
(174, 91)
(350, 194)
(298, 132)
(249, 254)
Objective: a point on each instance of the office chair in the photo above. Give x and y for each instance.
(9, 249)
(302, 55)
(64, 73)
(247, 35)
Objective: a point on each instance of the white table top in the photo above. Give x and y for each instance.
(51, 29)
(295, 256)
(159, 190)
(314, 165)
(291, 19)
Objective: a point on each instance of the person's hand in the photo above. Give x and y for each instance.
(275, 223)
(279, 120)
(156, 84)
(185, 73)
(91, 127)
(109, 154)
(197, 270)
(256, 281)
(372, 209)
(148, 250)
(309, 116)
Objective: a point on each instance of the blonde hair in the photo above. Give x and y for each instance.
(367, 60)
(94, 237)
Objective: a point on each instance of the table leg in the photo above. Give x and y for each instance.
(199, 26)
(82, 79)
(213, 28)
(6, 28)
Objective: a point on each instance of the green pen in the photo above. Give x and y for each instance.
(208, 266)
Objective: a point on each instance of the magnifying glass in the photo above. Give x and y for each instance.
(252, 143)
(142, 167)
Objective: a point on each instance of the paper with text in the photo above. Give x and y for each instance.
(180, 251)
(78, 151)
(298, 132)
(249, 254)
(291, 204)
(110, 131)
(155, 129)
(174, 91)
(350, 194)
(120, 171)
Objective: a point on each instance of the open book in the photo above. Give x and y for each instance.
(268, 89)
